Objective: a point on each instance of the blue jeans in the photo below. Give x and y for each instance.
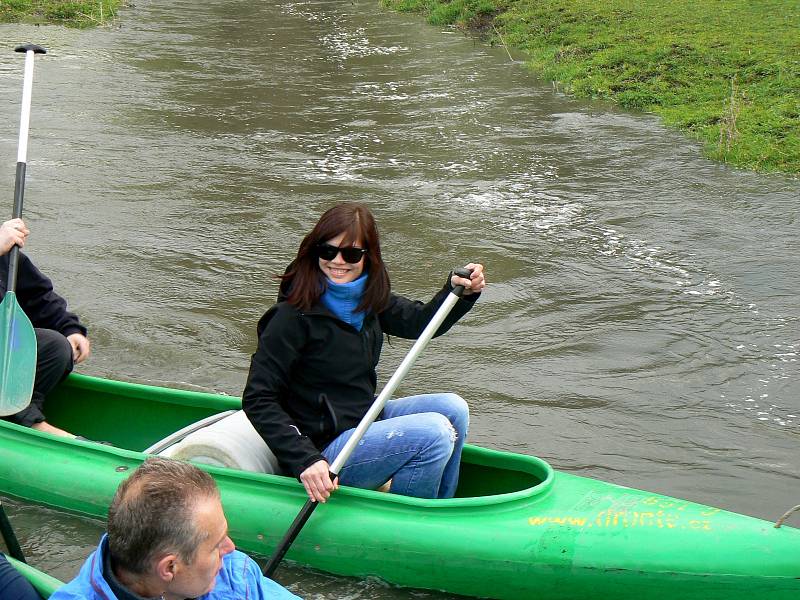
(416, 443)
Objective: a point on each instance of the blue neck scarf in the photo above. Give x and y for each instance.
(342, 299)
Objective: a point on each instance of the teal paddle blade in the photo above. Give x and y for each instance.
(17, 356)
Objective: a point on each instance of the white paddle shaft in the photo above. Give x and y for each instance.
(393, 382)
(25, 117)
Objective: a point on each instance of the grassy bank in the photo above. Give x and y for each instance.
(725, 71)
(72, 13)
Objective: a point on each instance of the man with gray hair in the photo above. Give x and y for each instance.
(168, 539)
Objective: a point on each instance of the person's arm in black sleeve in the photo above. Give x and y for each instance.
(281, 340)
(408, 318)
(44, 307)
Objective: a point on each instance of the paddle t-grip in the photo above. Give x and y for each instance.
(25, 47)
(461, 272)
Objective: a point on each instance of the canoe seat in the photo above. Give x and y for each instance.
(230, 441)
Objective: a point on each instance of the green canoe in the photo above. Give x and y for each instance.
(43, 583)
(517, 528)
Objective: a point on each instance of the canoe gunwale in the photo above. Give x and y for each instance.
(154, 393)
(529, 466)
(42, 582)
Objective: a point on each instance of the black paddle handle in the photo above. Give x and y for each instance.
(9, 538)
(290, 536)
(19, 193)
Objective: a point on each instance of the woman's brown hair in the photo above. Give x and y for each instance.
(304, 280)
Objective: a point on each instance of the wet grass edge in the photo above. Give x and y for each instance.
(70, 13)
(726, 73)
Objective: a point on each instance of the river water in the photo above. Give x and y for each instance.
(641, 324)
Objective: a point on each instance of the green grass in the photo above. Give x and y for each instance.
(727, 72)
(72, 13)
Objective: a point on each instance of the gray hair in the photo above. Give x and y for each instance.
(152, 514)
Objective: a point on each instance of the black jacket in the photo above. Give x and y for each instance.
(313, 375)
(35, 294)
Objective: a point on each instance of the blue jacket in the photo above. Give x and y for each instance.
(239, 579)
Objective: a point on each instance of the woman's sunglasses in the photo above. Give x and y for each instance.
(350, 254)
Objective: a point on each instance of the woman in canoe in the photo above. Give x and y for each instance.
(313, 376)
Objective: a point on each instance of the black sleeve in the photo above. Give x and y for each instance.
(408, 318)
(44, 307)
(280, 344)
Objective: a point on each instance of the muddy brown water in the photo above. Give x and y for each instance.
(641, 324)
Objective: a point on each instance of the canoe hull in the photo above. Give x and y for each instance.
(520, 529)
